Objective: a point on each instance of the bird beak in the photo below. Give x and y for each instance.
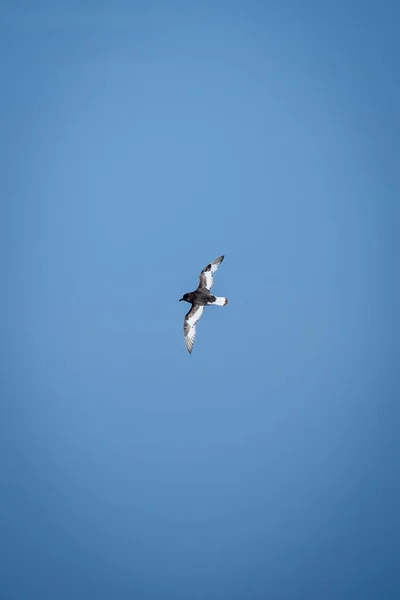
(180, 300)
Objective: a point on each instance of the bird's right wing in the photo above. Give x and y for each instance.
(206, 276)
(189, 325)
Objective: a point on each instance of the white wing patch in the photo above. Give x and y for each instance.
(206, 276)
(189, 325)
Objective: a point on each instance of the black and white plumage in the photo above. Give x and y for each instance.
(200, 298)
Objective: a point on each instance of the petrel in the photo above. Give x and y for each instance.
(199, 299)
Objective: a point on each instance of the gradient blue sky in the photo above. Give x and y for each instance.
(139, 141)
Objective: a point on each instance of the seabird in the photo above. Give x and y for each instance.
(199, 299)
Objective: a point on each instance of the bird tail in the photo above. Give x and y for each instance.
(219, 301)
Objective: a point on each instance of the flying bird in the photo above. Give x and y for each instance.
(200, 298)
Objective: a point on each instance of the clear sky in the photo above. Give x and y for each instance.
(139, 141)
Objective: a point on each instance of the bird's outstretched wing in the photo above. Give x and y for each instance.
(189, 325)
(206, 276)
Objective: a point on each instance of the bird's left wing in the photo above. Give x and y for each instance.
(206, 276)
(189, 325)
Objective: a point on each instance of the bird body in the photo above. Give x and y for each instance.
(203, 298)
(200, 298)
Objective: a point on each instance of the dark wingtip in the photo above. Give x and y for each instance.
(217, 260)
(226, 301)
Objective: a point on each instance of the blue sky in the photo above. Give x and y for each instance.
(140, 141)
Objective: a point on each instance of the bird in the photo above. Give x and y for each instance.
(200, 298)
